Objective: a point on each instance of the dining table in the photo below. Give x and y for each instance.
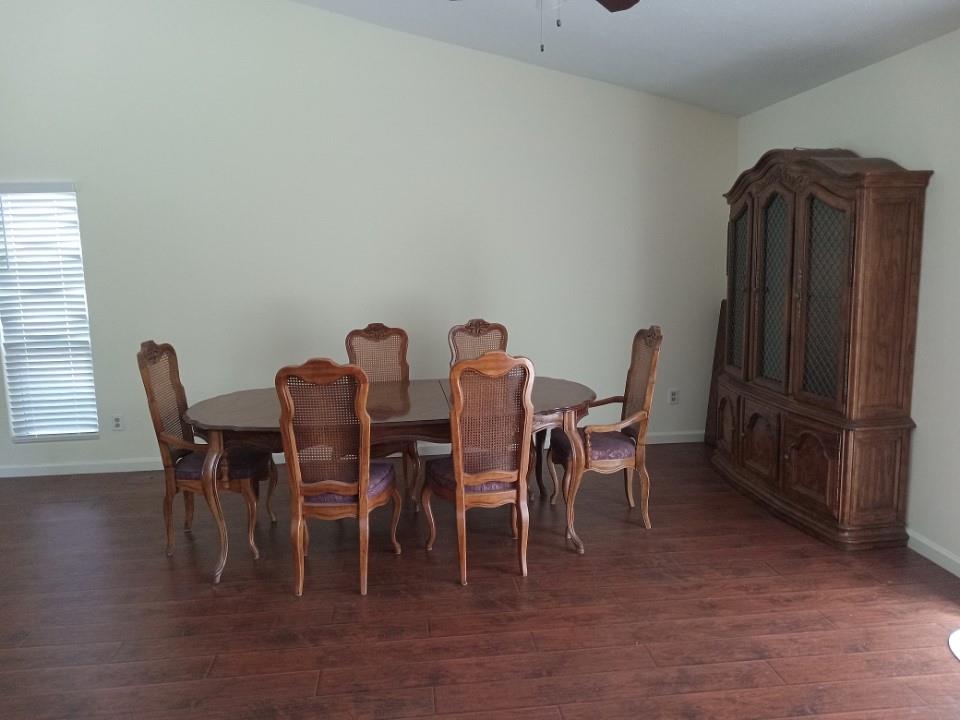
(408, 410)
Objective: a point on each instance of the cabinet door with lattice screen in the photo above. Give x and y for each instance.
(822, 281)
(740, 235)
(774, 286)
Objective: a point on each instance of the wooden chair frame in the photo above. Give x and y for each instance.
(475, 328)
(491, 364)
(375, 333)
(172, 448)
(579, 459)
(322, 371)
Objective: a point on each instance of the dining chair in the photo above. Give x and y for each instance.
(491, 420)
(474, 338)
(382, 353)
(616, 446)
(326, 441)
(241, 470)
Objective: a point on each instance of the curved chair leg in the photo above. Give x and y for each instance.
(250, 498)
(297, 526)
(425, 495)
(576, 476)
(270, 488)
(524, 523)
(306, 538)
(364, 552)
(168, 497)
(645, 493)
(397, 507)
(188, 511)
(628, 486)
(552, 467)
(412, 455)
(462, 542)
(513, 521)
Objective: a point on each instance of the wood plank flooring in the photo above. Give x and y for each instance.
(719, 612)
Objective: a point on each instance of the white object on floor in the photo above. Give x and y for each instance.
(954, 643)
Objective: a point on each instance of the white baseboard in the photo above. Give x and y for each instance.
(934, 552)
(87, 468)
(153, 463)
(668, 438)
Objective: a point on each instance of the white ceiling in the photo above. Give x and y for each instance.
(734, 56)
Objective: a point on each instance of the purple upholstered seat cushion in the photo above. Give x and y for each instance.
(381, 478)
(241, 463)
(603, 445)
(439, 473)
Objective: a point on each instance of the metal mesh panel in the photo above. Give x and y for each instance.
(776, 267)
(381, 358)
(739, 286)
(326, 429)
(163, 385)
(491, 422)
(470, 346)
(828, 258)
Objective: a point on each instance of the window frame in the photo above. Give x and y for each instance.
(43, 188)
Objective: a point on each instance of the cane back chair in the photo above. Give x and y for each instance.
(471, 340)
(326, 441)
(474, 338)
(613, 447)
(183, 458)
(382, 353)
(491, 420)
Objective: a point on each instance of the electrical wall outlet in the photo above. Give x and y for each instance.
(118, 422)
(674, 396)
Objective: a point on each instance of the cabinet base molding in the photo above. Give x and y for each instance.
(864, 538)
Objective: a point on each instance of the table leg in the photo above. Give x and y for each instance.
(575, 473)
(541, 441)
(211, 464)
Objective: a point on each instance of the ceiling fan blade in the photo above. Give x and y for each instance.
(618, 5)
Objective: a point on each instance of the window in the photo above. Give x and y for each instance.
(44, 329)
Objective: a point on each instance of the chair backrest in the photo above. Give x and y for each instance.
(491, 419)
(325, 428)
(474, 338)
(642, 374)
(166, 398)
(381, 351)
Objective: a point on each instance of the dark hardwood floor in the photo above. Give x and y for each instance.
(719, 612)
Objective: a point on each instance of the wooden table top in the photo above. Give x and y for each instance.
(417, 402)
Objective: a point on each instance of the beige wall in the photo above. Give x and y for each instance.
(906, 108)
(257, 177)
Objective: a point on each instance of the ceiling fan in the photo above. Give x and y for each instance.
(618, 5)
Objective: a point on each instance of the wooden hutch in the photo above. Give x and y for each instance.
(813, 398)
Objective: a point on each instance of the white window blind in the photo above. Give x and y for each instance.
(44, 328)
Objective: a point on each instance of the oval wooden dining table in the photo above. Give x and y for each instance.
(411, 410)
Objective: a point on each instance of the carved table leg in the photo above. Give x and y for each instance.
(575, 472)
(210, 492)
(540, 440)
